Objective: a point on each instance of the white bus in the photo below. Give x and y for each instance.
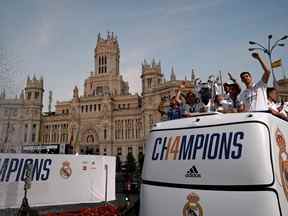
(217, 165)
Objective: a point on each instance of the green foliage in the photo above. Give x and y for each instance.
(118, 164)
(140, 161)
(131, 164)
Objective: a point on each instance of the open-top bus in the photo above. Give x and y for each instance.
(217, 165)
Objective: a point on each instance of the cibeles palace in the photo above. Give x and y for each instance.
(105, 119)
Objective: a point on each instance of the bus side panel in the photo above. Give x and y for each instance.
(166, 201)
(279, 137)
(234, 154)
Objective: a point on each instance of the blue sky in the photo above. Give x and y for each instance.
(49, 38)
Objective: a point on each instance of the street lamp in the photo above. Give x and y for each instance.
(269, 49)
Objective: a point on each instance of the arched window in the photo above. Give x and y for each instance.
(90, 139)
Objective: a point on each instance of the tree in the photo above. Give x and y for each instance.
(140, 161)
(118, 164)
(131, 164)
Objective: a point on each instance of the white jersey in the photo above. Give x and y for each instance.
(272, 105)
(276, 107)
(255, 98)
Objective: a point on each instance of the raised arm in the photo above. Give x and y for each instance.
(264, 66)
(232, 78)
(178, 94)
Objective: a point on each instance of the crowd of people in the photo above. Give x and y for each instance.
(227, 98)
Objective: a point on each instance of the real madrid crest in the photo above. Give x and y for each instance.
(193, 207)
(65, 170)
(283, 160)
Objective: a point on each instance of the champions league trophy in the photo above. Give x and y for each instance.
(207, 91)
(215, 85)
(25, 208)
(197, 85)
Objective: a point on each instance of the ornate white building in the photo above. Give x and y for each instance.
(106, 118)
(20, 118)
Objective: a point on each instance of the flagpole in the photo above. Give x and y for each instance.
(269, 53)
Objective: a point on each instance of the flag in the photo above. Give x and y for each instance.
(276, 63)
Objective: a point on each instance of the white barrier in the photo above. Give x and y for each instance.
(56, 179)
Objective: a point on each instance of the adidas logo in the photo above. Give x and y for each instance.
(193, 172)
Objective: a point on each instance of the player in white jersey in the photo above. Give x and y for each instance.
(254, 97)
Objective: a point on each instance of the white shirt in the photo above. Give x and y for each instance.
(255, 98)
(275, 106)
(272, 105)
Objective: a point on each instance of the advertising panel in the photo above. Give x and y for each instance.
(232, 154)
(56, 179)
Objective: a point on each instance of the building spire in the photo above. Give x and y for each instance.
(153, 62)
(75, 92)
(193, 75)
(28, 80)
(22, 95)
(172, 76)
(3, 94)
(50, 101)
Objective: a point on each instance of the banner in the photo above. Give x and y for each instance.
(56, 179)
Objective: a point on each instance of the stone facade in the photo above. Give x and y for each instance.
(106, 118)
(20, 118)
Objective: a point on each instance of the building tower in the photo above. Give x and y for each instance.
(33, 103)
(107, 55)
(151, 76)
(151, 81)
(34, 92)
(106, 79)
